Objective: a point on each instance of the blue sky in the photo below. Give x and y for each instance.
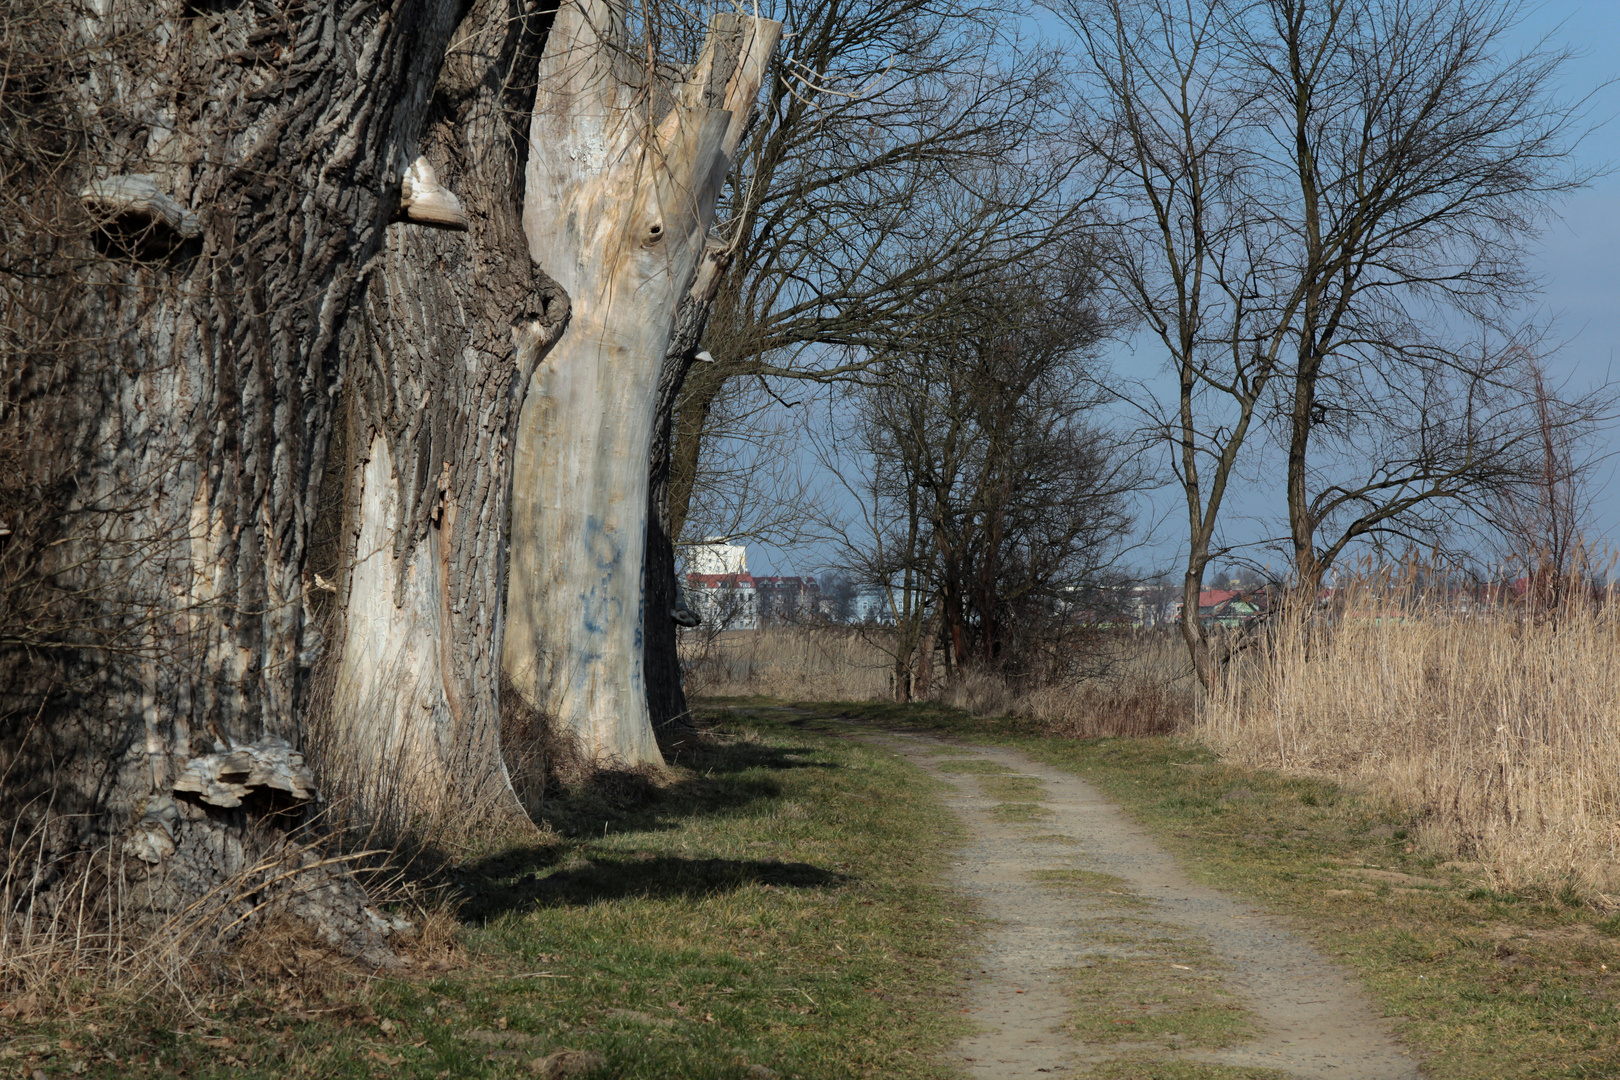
(1578, 261)
(1579, 258)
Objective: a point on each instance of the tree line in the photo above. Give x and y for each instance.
(364, 363)
(1313, 218)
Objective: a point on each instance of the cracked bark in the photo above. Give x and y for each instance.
(451, 329)
(187, 435)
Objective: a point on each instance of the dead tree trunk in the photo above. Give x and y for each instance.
(624, 171)
(241, 169)
(665, 603)
(454, 323)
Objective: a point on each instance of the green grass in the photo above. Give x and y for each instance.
(1480, 983)
(1013, 788)
(1019, 812)
(776, 905)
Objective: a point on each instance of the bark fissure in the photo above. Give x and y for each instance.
(453, 327)
(192, 408)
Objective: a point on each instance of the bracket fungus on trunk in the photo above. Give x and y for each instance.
(135, 201)
(425, 201)
(229, 776)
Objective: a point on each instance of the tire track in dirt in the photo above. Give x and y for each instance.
(1313, 1022)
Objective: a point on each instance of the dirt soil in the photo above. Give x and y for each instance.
(1311, 1020)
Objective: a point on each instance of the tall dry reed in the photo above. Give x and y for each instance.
(1137, 683)
(799, 663)
(1498, 731)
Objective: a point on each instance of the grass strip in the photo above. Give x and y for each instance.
(1020, 812)
(1091, 885)
(1145, 982)
(771, 909)
(1182, 1070)
(977, 768)
(1013, 788)
(1480, 983)
(1146, 999)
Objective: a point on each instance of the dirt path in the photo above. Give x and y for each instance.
(1286, 1007)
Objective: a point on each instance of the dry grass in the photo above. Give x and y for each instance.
(49, 959)
(1141, 683)
(1499, 734)
(1143, 686)
(541, 757)
(95, 943)
(798, 663)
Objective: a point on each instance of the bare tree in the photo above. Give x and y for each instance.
(997, 495)
(1321, 210)
(903, 147)
(632, 163)
(887, 545)
(755, 485)
(1543, 522)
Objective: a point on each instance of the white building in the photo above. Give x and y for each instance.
(718, 557)
(870, 606)
(724, 601)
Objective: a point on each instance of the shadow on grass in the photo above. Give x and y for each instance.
(716, 779)
(608, 878)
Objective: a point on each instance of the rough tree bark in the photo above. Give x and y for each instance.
(453, 326)
(631, 166)
(162, 726)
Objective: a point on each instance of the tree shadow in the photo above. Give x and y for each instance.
(642, 874)
(716, 780)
